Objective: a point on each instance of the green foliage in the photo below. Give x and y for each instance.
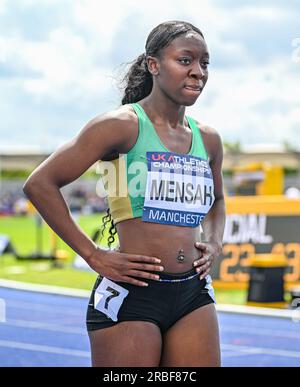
(233, 147)
(227, 172)
(14, 174)
(11, 174)
(290, 171)
(288, 146)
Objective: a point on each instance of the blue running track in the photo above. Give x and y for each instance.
(49, 330)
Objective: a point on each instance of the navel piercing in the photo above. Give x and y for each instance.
(180, 257)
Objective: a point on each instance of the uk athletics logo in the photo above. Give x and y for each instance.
(179, 189)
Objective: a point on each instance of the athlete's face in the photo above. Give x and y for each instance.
(181, 72)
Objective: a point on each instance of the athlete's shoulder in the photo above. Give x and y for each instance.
(120, 124)
(207, 129)
(212, 140)
(123, 115)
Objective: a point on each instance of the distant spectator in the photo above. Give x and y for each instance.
(21, 206)
(7, 204)
(77, 200)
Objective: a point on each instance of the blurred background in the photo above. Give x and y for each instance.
(60, 66)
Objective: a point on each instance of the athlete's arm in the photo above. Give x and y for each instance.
(112, 133)
(101, 136)
(214, 222)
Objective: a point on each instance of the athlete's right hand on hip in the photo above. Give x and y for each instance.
(124, 267)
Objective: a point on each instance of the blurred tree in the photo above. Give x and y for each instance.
(233, 147)
(289, 147)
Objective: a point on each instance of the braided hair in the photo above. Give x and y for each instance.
(112, 229)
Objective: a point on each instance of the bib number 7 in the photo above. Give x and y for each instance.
(109, 297)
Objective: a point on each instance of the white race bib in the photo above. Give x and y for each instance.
(109, 297)
(179, 189)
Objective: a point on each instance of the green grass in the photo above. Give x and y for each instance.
(43, 272)
(234, 296)
(22, 232)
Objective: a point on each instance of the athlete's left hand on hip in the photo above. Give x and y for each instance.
(210, 251)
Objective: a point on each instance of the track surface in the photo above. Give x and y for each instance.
(49, 330)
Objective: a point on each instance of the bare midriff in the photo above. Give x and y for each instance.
(161, 241)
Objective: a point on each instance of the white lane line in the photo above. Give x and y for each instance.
(45, 288)
(261, 351)
(226, 308)
(43, 348)
(233, 354)
(45, 326)
(2, 310)
(36, 307)
(258, 311)
(260, 331)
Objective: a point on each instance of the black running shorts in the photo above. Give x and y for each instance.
(161, 302)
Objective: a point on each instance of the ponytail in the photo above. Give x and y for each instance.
(138, 81)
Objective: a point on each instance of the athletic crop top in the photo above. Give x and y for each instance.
(158, 185)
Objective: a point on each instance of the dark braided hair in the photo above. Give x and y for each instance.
(112, 229)
(138, 80)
